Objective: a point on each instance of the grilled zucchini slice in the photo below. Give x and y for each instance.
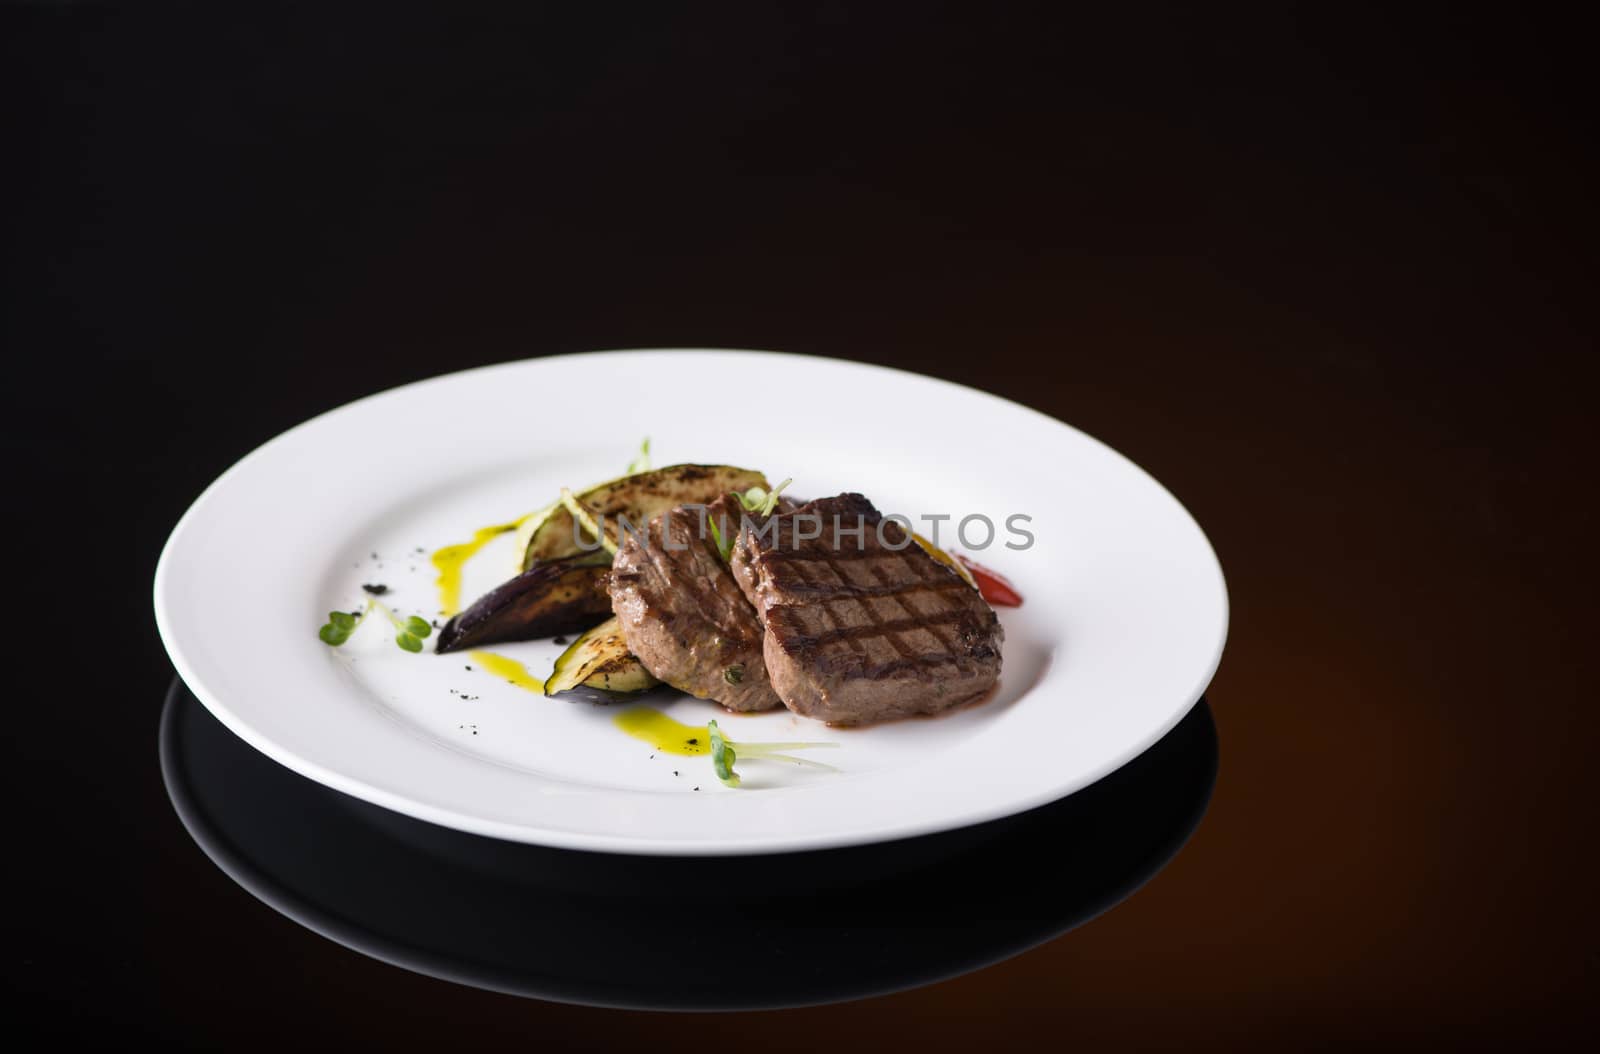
(639, 497)
(599, 662)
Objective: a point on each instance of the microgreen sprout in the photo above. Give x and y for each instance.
(724, 545)
(339, 626)
(642, 462)
(724, 752)
(761, 501)
(409, 632)
(585, 517)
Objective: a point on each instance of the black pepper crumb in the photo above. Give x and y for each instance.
(697, 788)
(695, 741)
(376, 589)
(674, 772)
(467, 668)
(560, 640)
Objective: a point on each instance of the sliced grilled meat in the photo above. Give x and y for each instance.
(682, 614)
(863, 626)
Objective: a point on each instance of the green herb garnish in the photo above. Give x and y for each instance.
(724, 752)
(724, 546)
(761, 501)
(339, 627)
(642, 462)
(758, 500)
(409, 632)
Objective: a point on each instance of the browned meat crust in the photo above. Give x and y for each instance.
(682, 614)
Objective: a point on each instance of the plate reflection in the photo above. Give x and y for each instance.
(640, 932)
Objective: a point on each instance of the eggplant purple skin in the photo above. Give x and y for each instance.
(560, 596)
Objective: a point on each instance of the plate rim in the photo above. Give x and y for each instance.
(634, 844)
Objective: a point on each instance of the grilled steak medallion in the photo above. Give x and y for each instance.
(864, 625)
(682, 614)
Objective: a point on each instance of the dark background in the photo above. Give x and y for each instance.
(1327, 274)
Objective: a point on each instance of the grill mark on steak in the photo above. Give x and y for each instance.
(857, 633)
(806, 648)
(928, 622)
(850, 590)
(851, 635)
(886, 589)
(864, 632)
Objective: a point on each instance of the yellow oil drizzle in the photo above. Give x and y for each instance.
(510, 669)
(452, 558)
(945, 558)
(662, 732)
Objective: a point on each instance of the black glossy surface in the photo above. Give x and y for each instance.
(678, 933)
(1328, 273)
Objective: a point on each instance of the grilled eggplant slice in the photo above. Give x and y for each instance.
(639, 497)
(560, 596)
(599, 664)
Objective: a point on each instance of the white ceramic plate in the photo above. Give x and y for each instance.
(1122, 628)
